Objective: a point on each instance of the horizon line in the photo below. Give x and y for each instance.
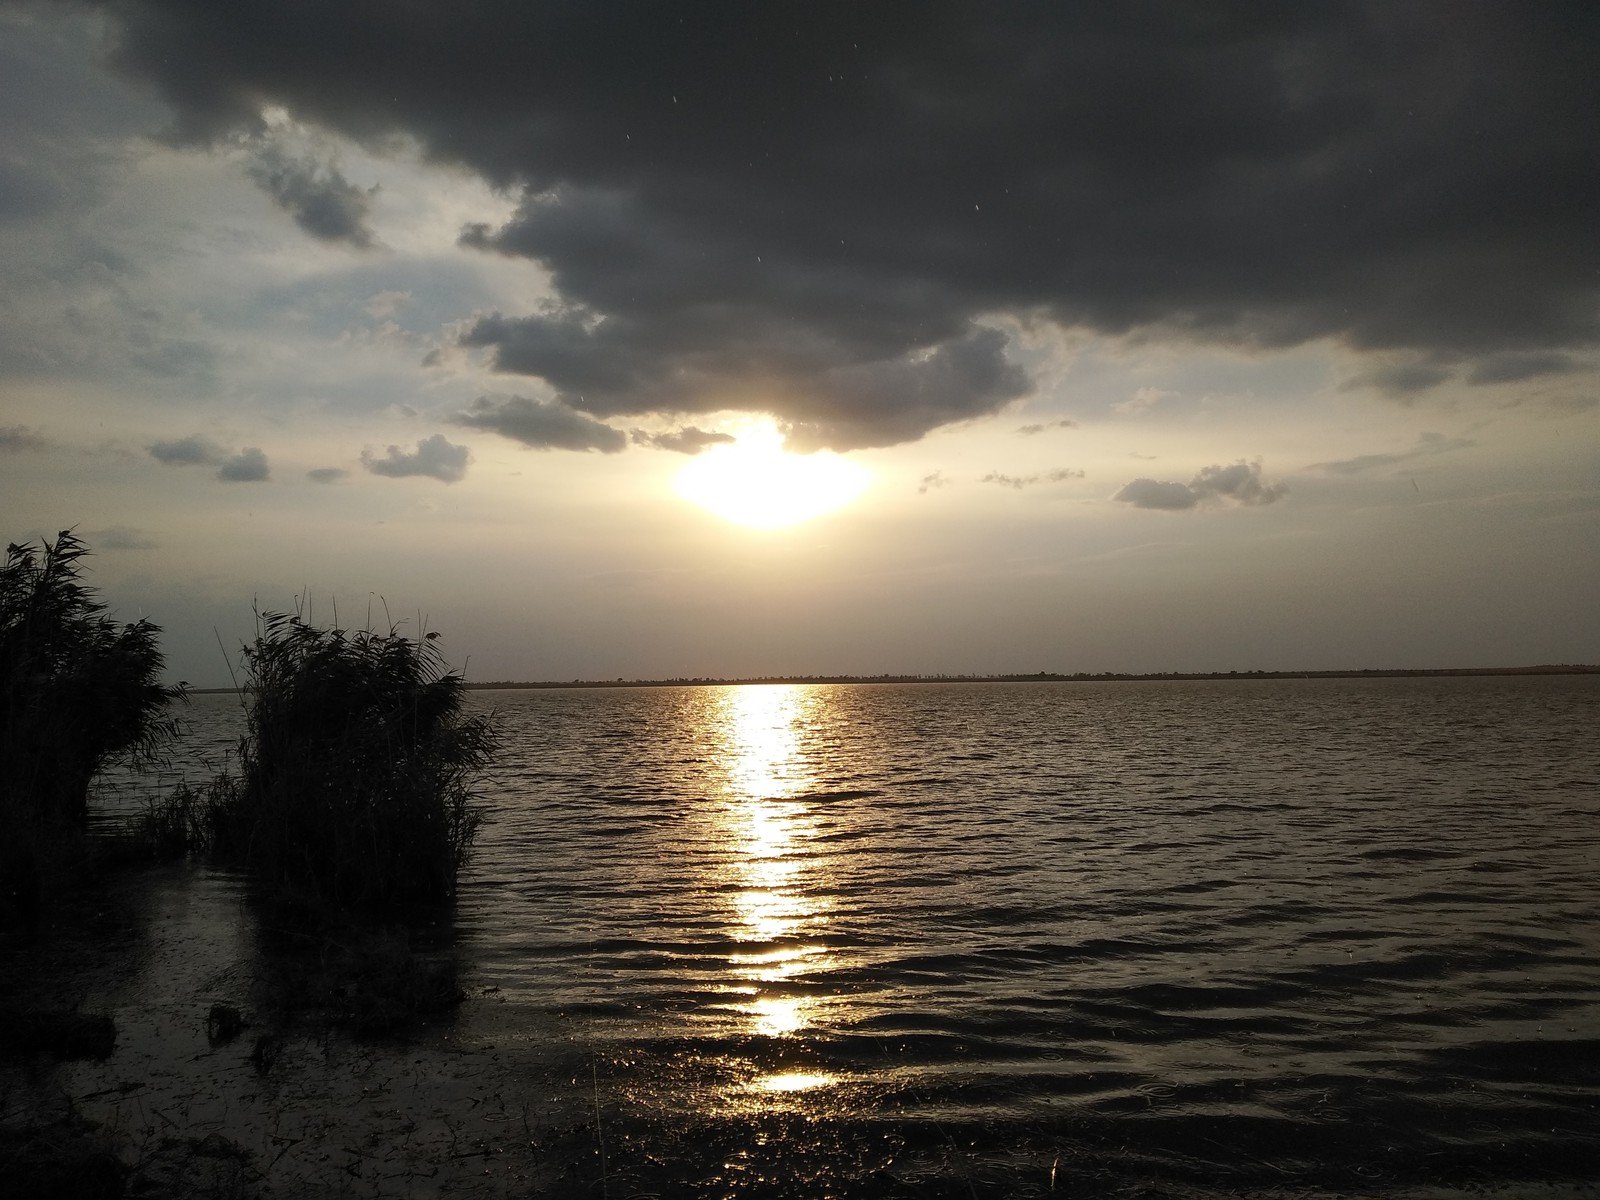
(1015, 677)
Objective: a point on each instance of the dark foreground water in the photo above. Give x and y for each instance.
(1283, 938)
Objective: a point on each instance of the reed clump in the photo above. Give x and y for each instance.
(354, 785)
(77, 691)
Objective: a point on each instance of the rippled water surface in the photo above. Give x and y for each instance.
(998, 939)
(1230, 920)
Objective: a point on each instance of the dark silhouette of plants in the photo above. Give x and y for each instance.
(354, 782)
(77, 691)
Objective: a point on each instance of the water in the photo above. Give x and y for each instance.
(1002, 939)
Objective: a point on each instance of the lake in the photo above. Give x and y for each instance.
(1199, 938)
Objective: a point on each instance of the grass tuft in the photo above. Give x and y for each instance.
(355, 776)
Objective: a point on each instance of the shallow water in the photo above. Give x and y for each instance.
(1003, 939)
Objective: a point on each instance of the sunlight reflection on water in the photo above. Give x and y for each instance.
(777, 905)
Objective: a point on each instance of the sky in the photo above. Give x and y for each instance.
(1137, 337)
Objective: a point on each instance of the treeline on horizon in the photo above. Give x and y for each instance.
(1042, 677)
(1035, 677)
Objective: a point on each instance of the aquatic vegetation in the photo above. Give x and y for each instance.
(355, 775)
(77, 691)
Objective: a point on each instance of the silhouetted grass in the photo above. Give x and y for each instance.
(354, 784)
(77, 691)
(188, 820)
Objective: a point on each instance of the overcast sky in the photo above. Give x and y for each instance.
(1174, 336)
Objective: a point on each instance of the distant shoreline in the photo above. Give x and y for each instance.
(1038, 677)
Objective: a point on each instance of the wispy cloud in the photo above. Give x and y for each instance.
(1143, 400)
(122, 537)
(1045, 427)
(16, 438)
(689, 440)
(1058, 475)
(1428, 445)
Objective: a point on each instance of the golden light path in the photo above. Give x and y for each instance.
(756, 482)
(776, 906)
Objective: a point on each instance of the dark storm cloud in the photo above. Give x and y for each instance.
(326, 474)
(689, 440)
(821, 210)
(1239, 484)
(542, 424)
(195, 451)
(321, 200)
(434, 457)
(247, 466)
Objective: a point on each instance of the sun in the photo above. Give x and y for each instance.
(755, 482)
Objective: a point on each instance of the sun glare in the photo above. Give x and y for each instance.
(756, 482)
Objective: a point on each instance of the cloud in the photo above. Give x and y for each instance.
(320, 199)
(194, 451)
(1058, 475)
(326, 474)
(1010, 481)
(1513, 368)
(434, 457)
(1143, 400)
(937, 479)
(734, 209)
(542, 424)
(1033, 430)
(689, 440)
(1239, 484)
(886, 403)
(121, 537)
(1157, 493)
(1399, 379)
(1428, 444)
(386, 305)
(15, 438)
(247, 466)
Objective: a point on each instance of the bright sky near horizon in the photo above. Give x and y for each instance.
(1138, 338)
